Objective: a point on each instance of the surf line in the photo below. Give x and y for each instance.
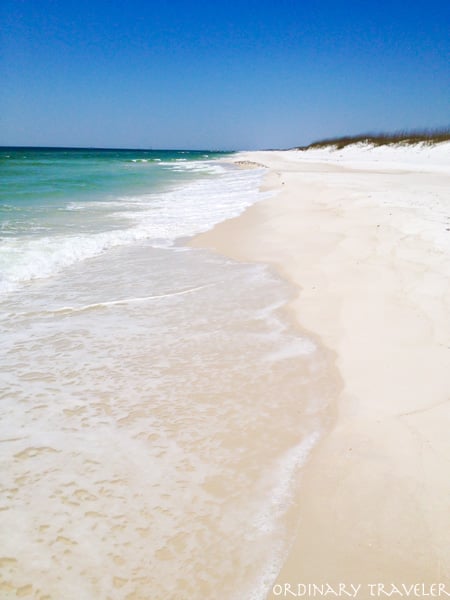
(128, 300)
(72, 309)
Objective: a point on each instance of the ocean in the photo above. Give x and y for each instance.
(157, 403)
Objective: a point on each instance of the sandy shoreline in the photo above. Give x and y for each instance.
(363, 234)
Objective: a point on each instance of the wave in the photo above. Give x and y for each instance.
(182, 164)
(123, 301)
(106, 304)
(160, 218)
(266, 520)
(9, 208)
(284, 476)
(73, 207)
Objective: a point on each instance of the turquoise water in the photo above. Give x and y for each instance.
(50, 177)
(36, 182)
(59, 206)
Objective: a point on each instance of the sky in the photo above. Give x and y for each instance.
(242, 74)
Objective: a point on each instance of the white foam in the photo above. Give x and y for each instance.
(282, 489)
(266, 521)
(204, 166)
(74, 207)
(298, 346)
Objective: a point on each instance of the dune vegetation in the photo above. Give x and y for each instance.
(383, 139)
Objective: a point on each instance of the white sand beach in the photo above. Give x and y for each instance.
(364, 234)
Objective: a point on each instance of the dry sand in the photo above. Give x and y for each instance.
(364, 235)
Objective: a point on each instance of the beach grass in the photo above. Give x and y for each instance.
(383, 139)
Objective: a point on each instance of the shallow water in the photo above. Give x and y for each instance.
(157, 408)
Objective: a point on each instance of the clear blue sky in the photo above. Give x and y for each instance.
(219, 75)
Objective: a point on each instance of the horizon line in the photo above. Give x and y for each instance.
(29, 147)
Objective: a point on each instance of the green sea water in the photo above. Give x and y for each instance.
(36, 181)
(59, 206)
